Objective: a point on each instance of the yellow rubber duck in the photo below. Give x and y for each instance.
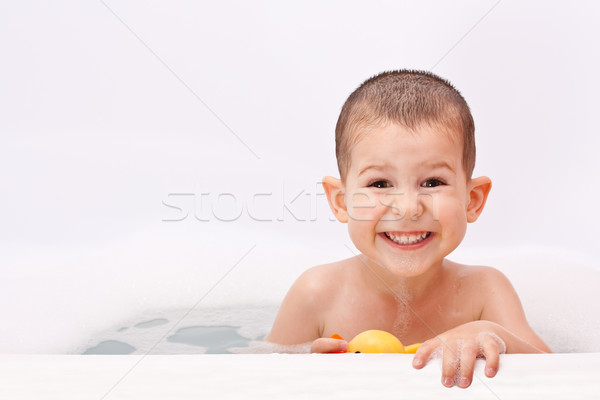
(375, 341)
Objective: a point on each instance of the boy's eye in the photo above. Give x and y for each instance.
(433, 182)
(380, 184)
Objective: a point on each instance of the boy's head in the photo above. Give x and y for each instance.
(411, 99)
(406, 153)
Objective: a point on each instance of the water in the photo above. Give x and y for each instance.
(216, 339)
(559, 299)
(110, 347)
(203, 330)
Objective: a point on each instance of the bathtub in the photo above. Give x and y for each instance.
(277, 376)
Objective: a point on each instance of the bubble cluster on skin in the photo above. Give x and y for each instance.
(406, 265)
(438, 352)
(403, 312)
(401, 324)
(401, 294)
(496, 338)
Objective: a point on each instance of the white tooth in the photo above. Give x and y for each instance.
(408, 239)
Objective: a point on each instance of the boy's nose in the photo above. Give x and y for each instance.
(405, 205)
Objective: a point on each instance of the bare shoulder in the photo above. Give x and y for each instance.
(487, 289)
(493, 281)
(484, 276)
(301, 315)
(322, 281)
(497, 296)
(498, 301)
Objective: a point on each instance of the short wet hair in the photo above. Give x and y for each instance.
(410, 98)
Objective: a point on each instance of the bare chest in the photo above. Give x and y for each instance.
(408, 320)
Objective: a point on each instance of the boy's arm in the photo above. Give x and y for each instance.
(299, 318)
(502, 306)
(501, 328)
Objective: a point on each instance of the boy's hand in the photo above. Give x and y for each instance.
(459, 348)
(327, 345)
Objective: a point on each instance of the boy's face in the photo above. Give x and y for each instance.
(406, 195)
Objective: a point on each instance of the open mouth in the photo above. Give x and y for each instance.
(407, 238)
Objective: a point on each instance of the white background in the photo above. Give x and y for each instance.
(110, 110)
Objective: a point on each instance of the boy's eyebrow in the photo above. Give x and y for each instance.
(380, 167)
(439, 164)
(429, 165)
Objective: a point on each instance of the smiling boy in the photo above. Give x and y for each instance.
(406, 151)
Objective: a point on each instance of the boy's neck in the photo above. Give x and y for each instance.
(413, 288)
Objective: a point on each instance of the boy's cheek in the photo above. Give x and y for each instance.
(361, 206)
(447, 209)
(453, 223)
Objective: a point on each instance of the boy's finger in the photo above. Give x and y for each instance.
(492, 356)
(422, 355)
(449, 365)
(326, 345)
(467, 362)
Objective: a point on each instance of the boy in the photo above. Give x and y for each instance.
(406, 150)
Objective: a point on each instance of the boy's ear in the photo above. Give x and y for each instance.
(335, 191)
(479, 188)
